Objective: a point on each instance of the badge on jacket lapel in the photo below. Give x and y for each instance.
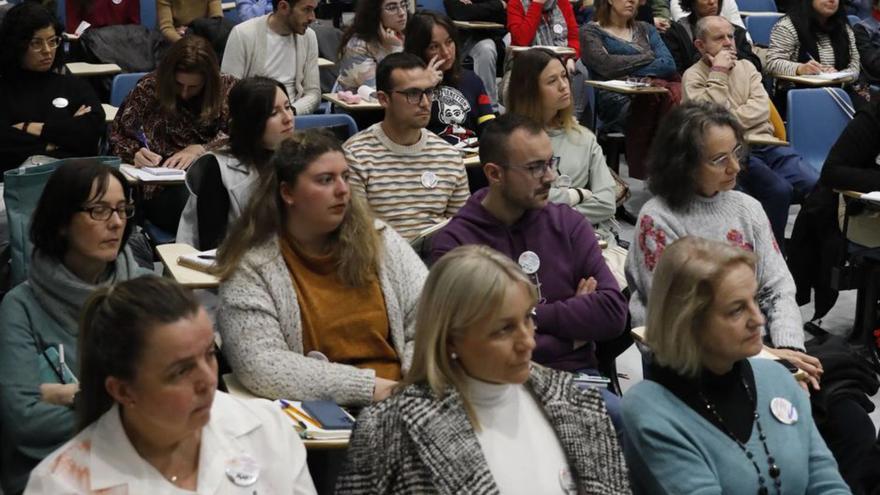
(243, 470)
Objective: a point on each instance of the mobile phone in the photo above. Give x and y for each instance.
(329, 414)
(790, 367)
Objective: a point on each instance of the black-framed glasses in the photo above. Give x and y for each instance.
(737, 154)
(394, 7)
(102, 213)
(414, 95)
(37, 44)
(538, 168)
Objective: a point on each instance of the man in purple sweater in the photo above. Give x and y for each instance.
(581, 302)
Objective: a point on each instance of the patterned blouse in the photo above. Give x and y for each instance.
(140, 118)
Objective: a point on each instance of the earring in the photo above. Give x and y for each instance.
(453, 356)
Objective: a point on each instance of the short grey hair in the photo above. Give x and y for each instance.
(702, 26)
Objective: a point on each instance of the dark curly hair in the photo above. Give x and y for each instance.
(677, 149)
(19, 26)
(419, 30)
(688, 6)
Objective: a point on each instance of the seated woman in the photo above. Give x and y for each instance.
(174, 16)
(719, 422)
(307, 273)
(585, 182)
(473, 409)
(617, 46)
(174, 115)
(260, 117)
(149, 416)
(42, 112)
(814, 37)
(727, 9)
(461, 106)
(79, 232)
(376, 31)
(680, 36)
(100, 13)
(544, 23)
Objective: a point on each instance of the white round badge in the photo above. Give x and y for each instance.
(60, 102)
(563, 181)
(429, 180)
(243, 470)
(557, 28)
(529, 262)
(117, 2)
(784, 411)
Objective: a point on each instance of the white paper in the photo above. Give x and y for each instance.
(82, 28)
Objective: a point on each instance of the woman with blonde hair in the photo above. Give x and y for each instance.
(719, 421)
(308, 273)
(545, 95)
(474, 409)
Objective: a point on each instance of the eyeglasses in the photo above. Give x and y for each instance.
(414, 95)
(394, 7)
(738, 154)
(37, 44)
(102, 213)
(538, 168)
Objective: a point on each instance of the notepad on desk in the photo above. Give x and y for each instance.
(832, 76)
(155, 174)
(203, 261)
(625, 84)
(307, 426)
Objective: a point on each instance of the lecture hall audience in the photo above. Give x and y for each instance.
(149, 417)
(474, 414)
(79, 232)
(482, 45)
(376, 31)
(317, 299)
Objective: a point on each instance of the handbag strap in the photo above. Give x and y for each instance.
(843, 104)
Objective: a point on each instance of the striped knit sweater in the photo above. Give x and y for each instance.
(410, 187)
(784, 46)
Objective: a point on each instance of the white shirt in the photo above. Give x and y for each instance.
(280, 60)
(101, 457)
(522, 449)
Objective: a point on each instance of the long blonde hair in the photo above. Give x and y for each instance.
(526, 100)
(355, 243)
(464, 289)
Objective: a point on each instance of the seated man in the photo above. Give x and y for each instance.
(411, 177)
(280, 46)
(555, 245)
(776, 175)
(481, 44)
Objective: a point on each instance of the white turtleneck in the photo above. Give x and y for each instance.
(520, 445)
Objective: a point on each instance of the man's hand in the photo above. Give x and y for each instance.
(58, 394)
(724, 60)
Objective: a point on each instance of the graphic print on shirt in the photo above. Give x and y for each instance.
(453, 109)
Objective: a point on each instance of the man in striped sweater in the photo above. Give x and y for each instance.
(411, 178)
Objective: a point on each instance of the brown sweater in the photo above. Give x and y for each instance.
(175, 13)
(347, 324)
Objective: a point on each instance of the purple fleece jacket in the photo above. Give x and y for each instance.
(565, 242)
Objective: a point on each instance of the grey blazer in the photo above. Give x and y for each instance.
(415, 443)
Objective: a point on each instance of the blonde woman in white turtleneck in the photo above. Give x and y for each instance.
(474, 414)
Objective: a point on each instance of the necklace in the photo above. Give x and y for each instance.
(773, 470)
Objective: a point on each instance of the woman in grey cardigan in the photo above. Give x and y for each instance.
(473, 409)
(317, 299)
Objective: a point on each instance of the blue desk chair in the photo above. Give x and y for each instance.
(148, 14)
(61, 12)
(759, 27)
(122, 85)
(853, 19)
(815, 120)
(757, 5)
(326, 120)
(435, 5)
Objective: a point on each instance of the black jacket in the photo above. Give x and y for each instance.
(685, 53)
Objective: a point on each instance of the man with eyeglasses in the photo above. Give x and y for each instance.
(775, 175)
(412, 178)
(580, 302)
(281, 46)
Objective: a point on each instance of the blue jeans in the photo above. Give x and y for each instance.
(776, 176)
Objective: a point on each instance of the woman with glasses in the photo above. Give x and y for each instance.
(79, 231)
(585, 182)
(42, 112)
(377, 30)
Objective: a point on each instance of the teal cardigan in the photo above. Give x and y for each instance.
(671, 449)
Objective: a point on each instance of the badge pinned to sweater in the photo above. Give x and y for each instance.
(60, 102)
(117, 2)
(784, 411)
(566, 481)
(429, 180)
(243, 470)
(529, 262)
(557, 28)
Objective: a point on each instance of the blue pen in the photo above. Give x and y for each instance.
(142, 138)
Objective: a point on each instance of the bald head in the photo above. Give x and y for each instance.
(714, 34)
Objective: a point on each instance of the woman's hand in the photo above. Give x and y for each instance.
(570, 66)
(58, 394)
(184, 158)
(146, 158)
(434, 70)
(804, 362)
(33, 128)
(389, 37)
(586, 286)
(661, 23)
(809, 68)
(82, 110)
(382, 389)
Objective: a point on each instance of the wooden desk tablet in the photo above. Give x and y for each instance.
(623, 88)
(332, 98)
(472, 160)
(84, 69)
(471, 25)
(227, 5)
(815, 82)
(766, 141)
(323, 62)
(747, 13)
(109, 112)
(186, 277)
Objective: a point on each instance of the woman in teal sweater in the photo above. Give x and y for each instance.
(78, 230)
(710, 420)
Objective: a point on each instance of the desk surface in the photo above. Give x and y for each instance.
(766, 141)
(472, 160)
(559, 50)
(109, 112)
(747, 13)
(238, 390)
(813, 81)
(187, 277)
(84, 69)
(639, 90)
(323, 62)
(470, 25)
(331, 97)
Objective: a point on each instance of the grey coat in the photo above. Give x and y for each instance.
(426, 445)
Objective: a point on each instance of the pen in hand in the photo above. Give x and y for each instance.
(61, 362)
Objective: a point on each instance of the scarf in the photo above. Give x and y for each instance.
(552, 30)
(62, 294)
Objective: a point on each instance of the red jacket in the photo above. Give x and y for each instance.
(104, 13)
(523, 25)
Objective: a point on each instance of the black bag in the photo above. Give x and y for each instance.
(214, 29)
(132, 47)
